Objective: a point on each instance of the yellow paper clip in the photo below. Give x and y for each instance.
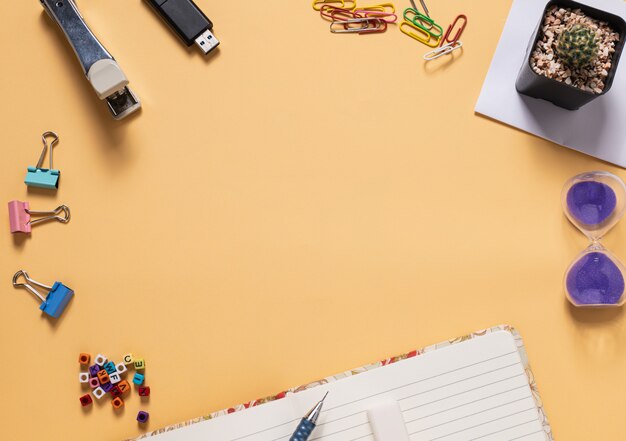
(383, 7)
(426, 37)
(344, 4)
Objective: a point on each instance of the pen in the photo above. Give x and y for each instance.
(307, 424)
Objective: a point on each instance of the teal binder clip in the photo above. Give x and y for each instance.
(44, 177)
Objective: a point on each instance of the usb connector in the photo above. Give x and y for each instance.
(188, 21)
(207, 41)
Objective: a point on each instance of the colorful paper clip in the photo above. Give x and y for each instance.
(423, 36)
(446, 37)
(44, 177)
(334, 13)
(20, 216)
(365, 25)
(389, 17)
(57, 299)
(423, 22)
(443, 50)
(381, 7)
(318, 4)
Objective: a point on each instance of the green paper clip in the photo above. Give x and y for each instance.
(423, 22)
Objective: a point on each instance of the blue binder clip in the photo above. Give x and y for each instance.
(44, 177)
(57, 299)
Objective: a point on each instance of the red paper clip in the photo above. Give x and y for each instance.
(329, 12)
(459, 32)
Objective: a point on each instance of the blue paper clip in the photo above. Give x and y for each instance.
(57, 299)
(44, 177)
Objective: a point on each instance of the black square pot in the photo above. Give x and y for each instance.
(563, 95)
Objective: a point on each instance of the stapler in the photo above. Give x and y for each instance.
(101, 69)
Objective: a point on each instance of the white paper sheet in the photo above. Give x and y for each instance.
(475, 390)
(597, 129)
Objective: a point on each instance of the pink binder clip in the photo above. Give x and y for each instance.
(20, 216)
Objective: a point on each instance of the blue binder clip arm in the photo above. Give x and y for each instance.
(57, 299)
(44, 177)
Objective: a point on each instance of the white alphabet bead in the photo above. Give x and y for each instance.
(121, 368)
(83, 377)
(100, 360)
(98, 392)
(115, 378)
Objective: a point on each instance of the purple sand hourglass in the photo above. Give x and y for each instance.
(594, 202)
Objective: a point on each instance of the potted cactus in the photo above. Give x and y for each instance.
(573, 55)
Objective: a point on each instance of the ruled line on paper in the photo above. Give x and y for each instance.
(326, 411)
(485, 423)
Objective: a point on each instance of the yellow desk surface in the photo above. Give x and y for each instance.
(296, 189)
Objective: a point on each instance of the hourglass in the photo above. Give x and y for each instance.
(594, 202)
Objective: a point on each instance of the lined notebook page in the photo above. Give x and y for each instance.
(475, 390)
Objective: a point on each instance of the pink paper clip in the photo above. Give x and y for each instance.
(389, 17)
(446, 37)
(20, 216)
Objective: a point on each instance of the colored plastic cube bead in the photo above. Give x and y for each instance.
(140, 364)
(115, 378)
(93, 382)
(128, 359)
(103, 377)
(117, 403)
(93, 370)
(100, 360)
(98, 392)
(115, 392)
(106, 387)
(86, 400)
(83, 377)
(84, 359)
(121, 368)
(144, 391)
(109, 367)
(143, 417)
(123, 386)
(138, 379)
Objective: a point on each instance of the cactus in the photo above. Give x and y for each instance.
(577, 46)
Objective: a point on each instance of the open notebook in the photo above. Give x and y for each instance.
(478, 387)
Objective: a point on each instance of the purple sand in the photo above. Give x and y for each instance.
(595, 280)
(590, 202)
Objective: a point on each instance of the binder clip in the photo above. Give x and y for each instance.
(44, 177)
(57, 299)
(20, 216)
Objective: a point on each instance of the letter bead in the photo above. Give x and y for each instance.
(123, 386)
(103, 377)
(117, 403)
(143, 417)
(115, 378)
(93, 382)
(83, 377)
(98, 392)
(100, 360)
(121, 368)
(138, 379)
(106, 387)
(93, 370)
(84, 359)
(110, 367)
(86, 400)
(115, 392)
(128, 359)
(144, 391)
(140, 364)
